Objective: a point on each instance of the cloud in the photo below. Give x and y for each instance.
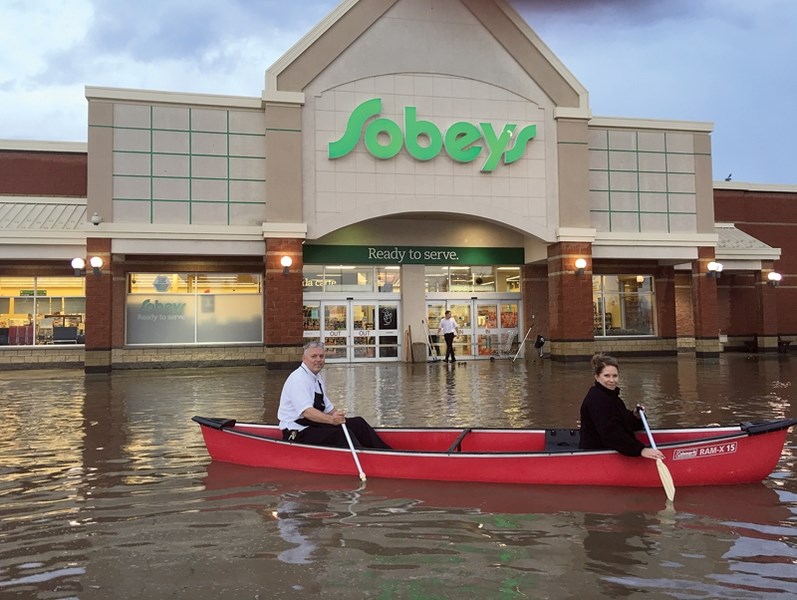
(36, 36)
(595, 12)
(183, 45)
(724, 61)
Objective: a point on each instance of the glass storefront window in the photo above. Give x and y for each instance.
(220, 283)
(483, 279)
(486, 317)
(509, 315)
(388, 279)
(473, 279)
(436, 279)
(313, 278)
(508, 279)
(623, 305)
(194, 308)
(335, 317)
(460, 279)
(312, 319)
(343, 278)
(349, 279)
(42, 310)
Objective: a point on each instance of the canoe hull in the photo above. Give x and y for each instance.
(703, 456)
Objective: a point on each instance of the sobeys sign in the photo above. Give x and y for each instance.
(410, 255)
(463, 142)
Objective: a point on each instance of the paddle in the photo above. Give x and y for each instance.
(664, 472)
(353, 452)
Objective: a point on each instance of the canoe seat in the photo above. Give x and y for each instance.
(456, 446)
(561, 440)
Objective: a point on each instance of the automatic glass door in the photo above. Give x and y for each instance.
(355, 330)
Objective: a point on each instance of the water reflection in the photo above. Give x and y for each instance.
(107, 492)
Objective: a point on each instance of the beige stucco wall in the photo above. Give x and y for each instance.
(432, 229)
(445, 63)
(99, 195)
(187, 164)
(159, 158)
(646, 180)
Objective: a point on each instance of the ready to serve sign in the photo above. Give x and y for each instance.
(463, 142)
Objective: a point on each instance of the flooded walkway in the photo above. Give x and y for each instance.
(106, 491)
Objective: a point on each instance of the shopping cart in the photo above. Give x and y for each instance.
(501, 344)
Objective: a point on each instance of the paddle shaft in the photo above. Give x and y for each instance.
(353, 451)
(641, 412)
(664, 472)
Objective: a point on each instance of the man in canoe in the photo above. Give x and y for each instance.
(606, 423)
(307, 416)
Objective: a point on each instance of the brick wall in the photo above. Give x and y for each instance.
(284, 294)
(569, 295)
(43, 173)
(684, 318)
(772, 218)
(535, 302)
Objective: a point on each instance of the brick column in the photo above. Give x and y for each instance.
(665, 299)
(99, 308)
(766, 329)
(283, 320)
(571, 328)
(535, 305)
(704, 304)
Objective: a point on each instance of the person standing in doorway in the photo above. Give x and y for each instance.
(448, 325)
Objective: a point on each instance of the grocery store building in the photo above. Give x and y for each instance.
(406, 157)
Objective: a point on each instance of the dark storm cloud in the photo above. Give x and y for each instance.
(194, 31)
(724, 61)
(179, 29)
(628, 12)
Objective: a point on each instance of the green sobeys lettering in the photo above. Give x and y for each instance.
(384, 138)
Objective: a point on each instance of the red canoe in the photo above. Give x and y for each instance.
(695, 456)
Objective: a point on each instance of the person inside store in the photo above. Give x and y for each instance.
(606, 423)
(307, 416)
(448, 326)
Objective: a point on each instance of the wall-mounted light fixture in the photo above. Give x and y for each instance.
(79, 265)
(773, 278)
(714, 269)
(640, 279)
(581, 264)
(286, 262)
(96, 219)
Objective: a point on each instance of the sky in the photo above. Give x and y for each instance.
(727, 62)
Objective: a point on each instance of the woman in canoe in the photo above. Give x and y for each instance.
(606, 423)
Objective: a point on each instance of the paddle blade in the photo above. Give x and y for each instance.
(666, 480)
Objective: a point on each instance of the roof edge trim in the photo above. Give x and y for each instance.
(284, 61)
(44, 146)
(165, 97)
(742, 186)
(634, 123)
(548, 54)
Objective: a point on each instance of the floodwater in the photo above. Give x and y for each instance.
(106, 492)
